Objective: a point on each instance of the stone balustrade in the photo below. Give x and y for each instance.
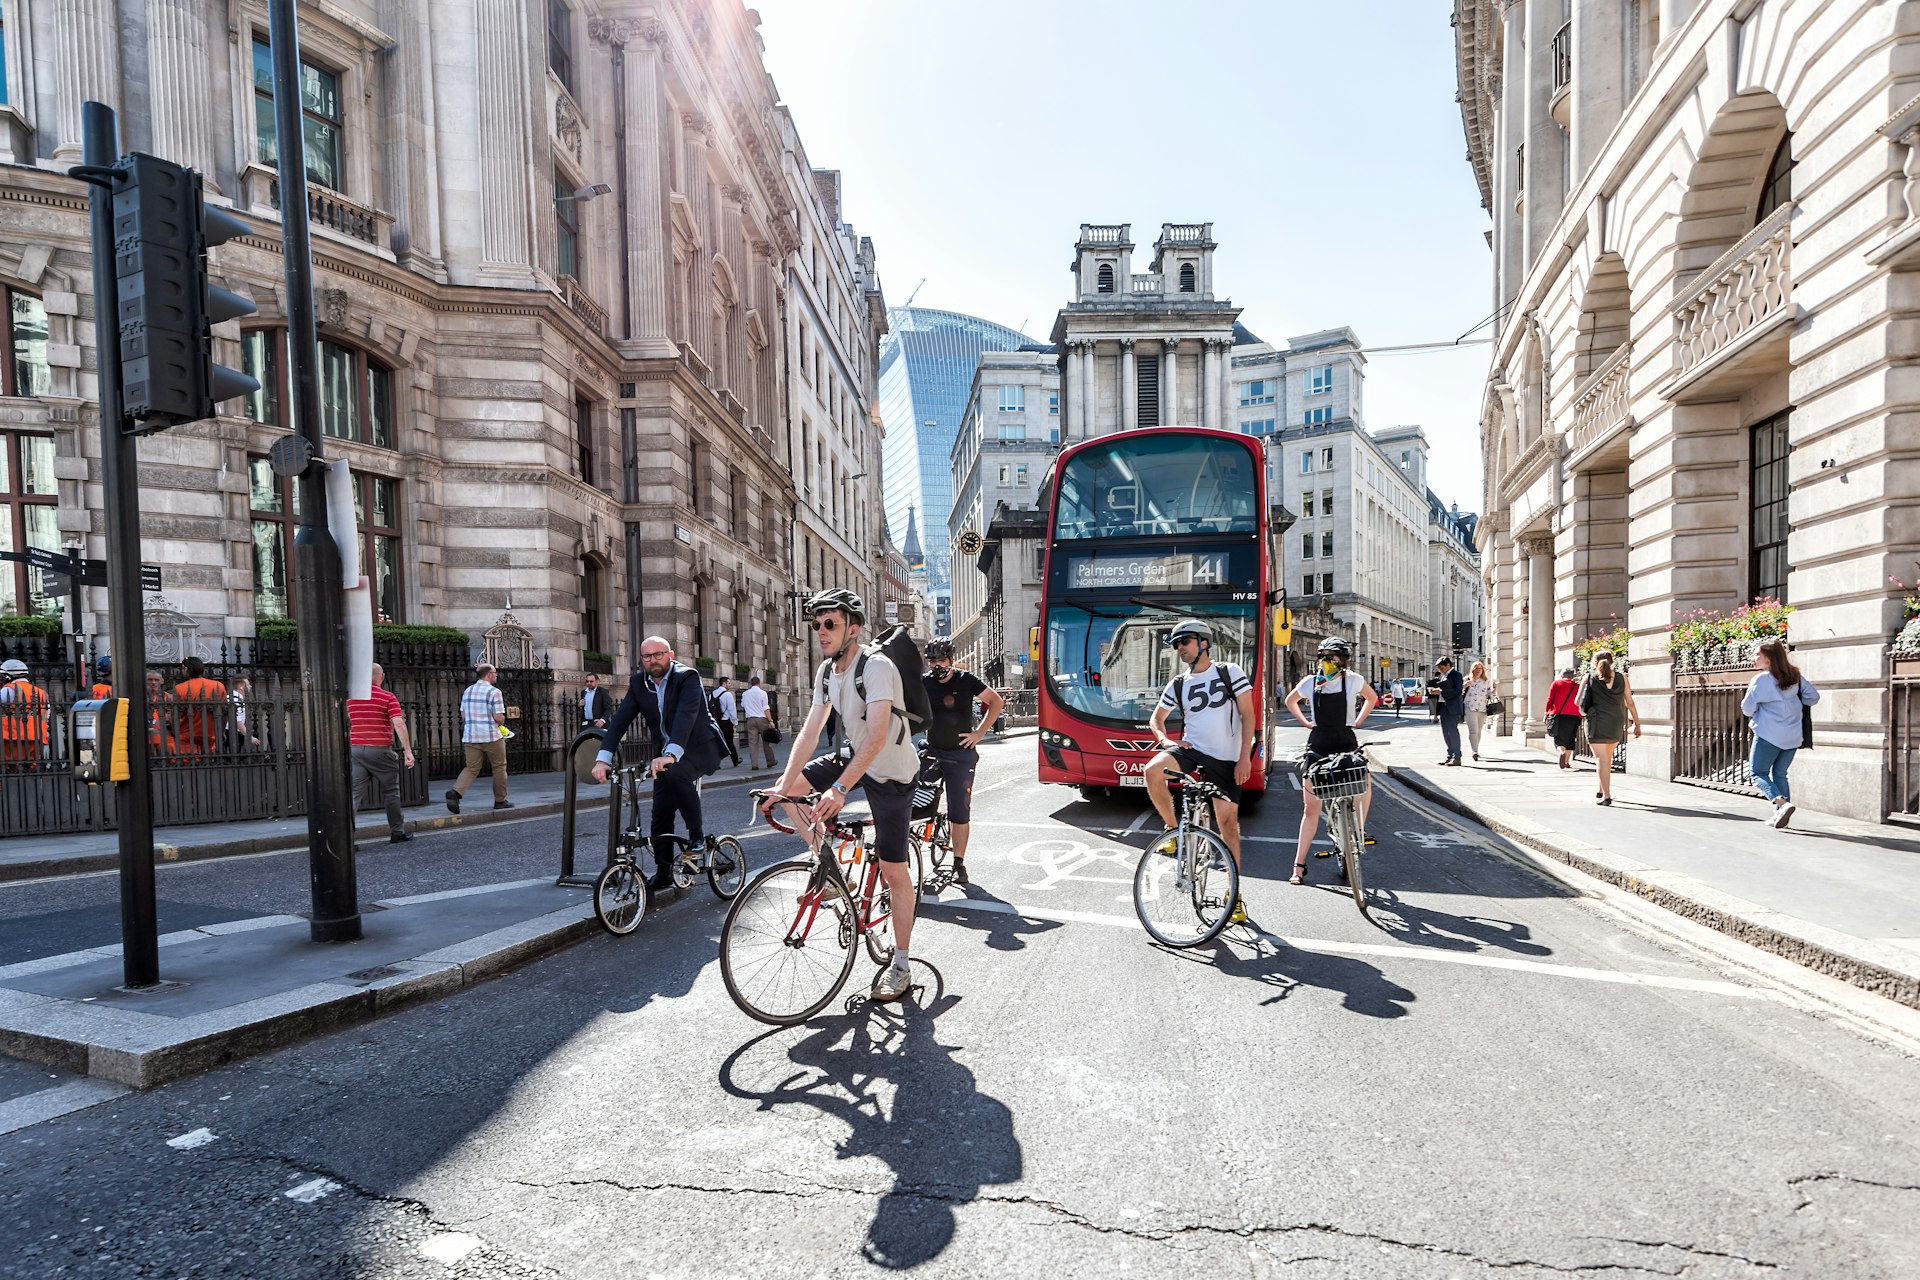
(1147, 284)
(327, 210)
(1744, 288)
(700, 368)
(582, 305)
(1601, 406)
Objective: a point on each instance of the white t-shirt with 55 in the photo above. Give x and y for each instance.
(1209, 704)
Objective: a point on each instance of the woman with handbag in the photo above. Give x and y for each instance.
(1482, 699)
(1563, 715)
(1780, 702)
(1607, 700)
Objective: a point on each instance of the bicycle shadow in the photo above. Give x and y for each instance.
(941, 1138)
(1002, 927)
(1363, 989)
(1444, 931)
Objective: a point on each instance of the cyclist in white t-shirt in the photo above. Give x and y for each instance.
(1340, 700)
(1215, 700)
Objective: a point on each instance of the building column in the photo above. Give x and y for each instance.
(89, 52)
(1599, 74)
(1226, 384)
(1538, 549)
(177, 62)
(1090, 382)
(1076, 411)
(1129, 387)
(648, 275)
(1169, 382)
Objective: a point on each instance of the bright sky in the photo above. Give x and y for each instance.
(1321, 140)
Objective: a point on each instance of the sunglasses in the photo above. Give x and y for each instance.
(826, 624)
(1186, 640)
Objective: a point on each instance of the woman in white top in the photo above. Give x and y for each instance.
(1480, 691)
(1340, 700)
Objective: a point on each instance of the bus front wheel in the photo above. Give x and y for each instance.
(1091, 794)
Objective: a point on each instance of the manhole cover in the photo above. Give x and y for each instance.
(374, 974)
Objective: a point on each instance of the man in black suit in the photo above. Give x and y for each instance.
(1451, 706)
(686, 744)
(595, 705)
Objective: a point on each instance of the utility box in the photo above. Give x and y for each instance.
(99, 737)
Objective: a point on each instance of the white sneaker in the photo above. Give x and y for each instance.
(891, 983)
(1783, 813)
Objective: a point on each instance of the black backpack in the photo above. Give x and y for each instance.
(897, 646)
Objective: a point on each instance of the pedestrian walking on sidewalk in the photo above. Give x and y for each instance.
(753, 705)
(1480, 691)
(483, 713)
(374, 723)
(1779, 701)
(1563, 715)
(1449, 698)
(726, 714)
(595, 705)
(1608, 702)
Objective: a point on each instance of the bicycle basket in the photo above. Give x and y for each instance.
(1337, 776)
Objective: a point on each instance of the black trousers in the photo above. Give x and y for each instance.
(676, 794)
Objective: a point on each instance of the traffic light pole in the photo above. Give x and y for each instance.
(133, 799)
(316, 558)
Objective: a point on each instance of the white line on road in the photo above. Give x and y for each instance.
(308, 1192)
(188, 1141)
(1480, 960)
(1139, 822)
(980, 791)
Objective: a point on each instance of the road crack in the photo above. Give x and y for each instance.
(1833, 1175)
(960, 1195)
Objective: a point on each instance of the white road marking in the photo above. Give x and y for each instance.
(980, 791)
(308, 1192)
(1063, 860)
(1482, 960)
(1293, 779)
(60, 1100)
(448, 1247)
(188, 1141)
(1139, 822)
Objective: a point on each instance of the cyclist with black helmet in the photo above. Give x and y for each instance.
(871, 705)
(953, 738)
(1340, 702)
(1215, 700)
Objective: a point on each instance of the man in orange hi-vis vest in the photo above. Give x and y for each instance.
(203, 715)
(23, 715)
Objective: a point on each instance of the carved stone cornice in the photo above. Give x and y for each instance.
(1126, 345)
(1537, 544)
(736, 193)
(696, 122)
(620, 32)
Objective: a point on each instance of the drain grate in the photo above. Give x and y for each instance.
(374, 974)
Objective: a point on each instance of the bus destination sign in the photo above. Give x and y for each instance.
(1092, 571)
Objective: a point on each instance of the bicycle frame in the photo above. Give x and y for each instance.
(827, 873)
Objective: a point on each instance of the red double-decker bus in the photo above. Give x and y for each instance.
(1144, 528)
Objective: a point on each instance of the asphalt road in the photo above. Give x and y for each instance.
(1498, 1077)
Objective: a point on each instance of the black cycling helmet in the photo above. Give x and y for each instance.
(840, 598)
(1191, 627)
(1336, 645)
(942, 648)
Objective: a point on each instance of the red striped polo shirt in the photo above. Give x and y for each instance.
(370, 720)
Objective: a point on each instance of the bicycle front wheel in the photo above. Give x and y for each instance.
(620, 898)
(1184, 887)
(726, 868)
(788, 944)
(1353, 842)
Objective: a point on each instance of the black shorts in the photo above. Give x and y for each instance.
(890, 802)
(1215, 770)
(956, 770)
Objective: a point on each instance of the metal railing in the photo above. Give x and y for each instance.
(1712, 740)
(1903, 738)
(1561, 52)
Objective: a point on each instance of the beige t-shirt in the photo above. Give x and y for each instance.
(897, 761)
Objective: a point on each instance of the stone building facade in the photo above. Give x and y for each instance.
(1007, 440)
(1705, 218)
(557, 251)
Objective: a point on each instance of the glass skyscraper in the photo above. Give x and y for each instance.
(927, 362)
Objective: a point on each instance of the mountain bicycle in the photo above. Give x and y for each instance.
(789, 941)
(621, 897)
(1339, 781)
(1185, 884)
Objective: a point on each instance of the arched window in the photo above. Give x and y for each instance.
(1186, 277)
(356, 391)
(1778, 188)
(1106, 277)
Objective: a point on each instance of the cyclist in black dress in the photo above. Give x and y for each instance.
(1340, 701)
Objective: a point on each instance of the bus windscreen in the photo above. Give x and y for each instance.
(1109, 663)
(1142, 486)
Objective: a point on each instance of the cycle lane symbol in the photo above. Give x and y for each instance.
(1430, 840)
(1061, 860)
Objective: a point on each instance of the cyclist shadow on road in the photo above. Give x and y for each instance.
(1444, 931)
(1003, 930)
(1245, 953)
(941, 1137)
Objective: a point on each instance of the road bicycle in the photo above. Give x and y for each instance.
(621, 897)
(790, 940)
(1339, 781)
(1186, 883)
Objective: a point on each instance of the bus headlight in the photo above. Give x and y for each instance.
(1049, 738)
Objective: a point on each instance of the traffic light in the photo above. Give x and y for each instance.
(162, 229)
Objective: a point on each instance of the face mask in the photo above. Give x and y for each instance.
(1328, 666)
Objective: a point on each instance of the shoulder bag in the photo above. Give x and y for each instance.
(1806, 719)
(1496, 705)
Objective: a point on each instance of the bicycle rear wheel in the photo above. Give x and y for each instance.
(726, 884)
(1184, 887)
(620, 898)
(932, 854)
(788, 944)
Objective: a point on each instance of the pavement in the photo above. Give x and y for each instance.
(1492, 1073)
(1838, 896)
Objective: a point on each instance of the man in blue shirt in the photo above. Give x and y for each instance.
(687, 745)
